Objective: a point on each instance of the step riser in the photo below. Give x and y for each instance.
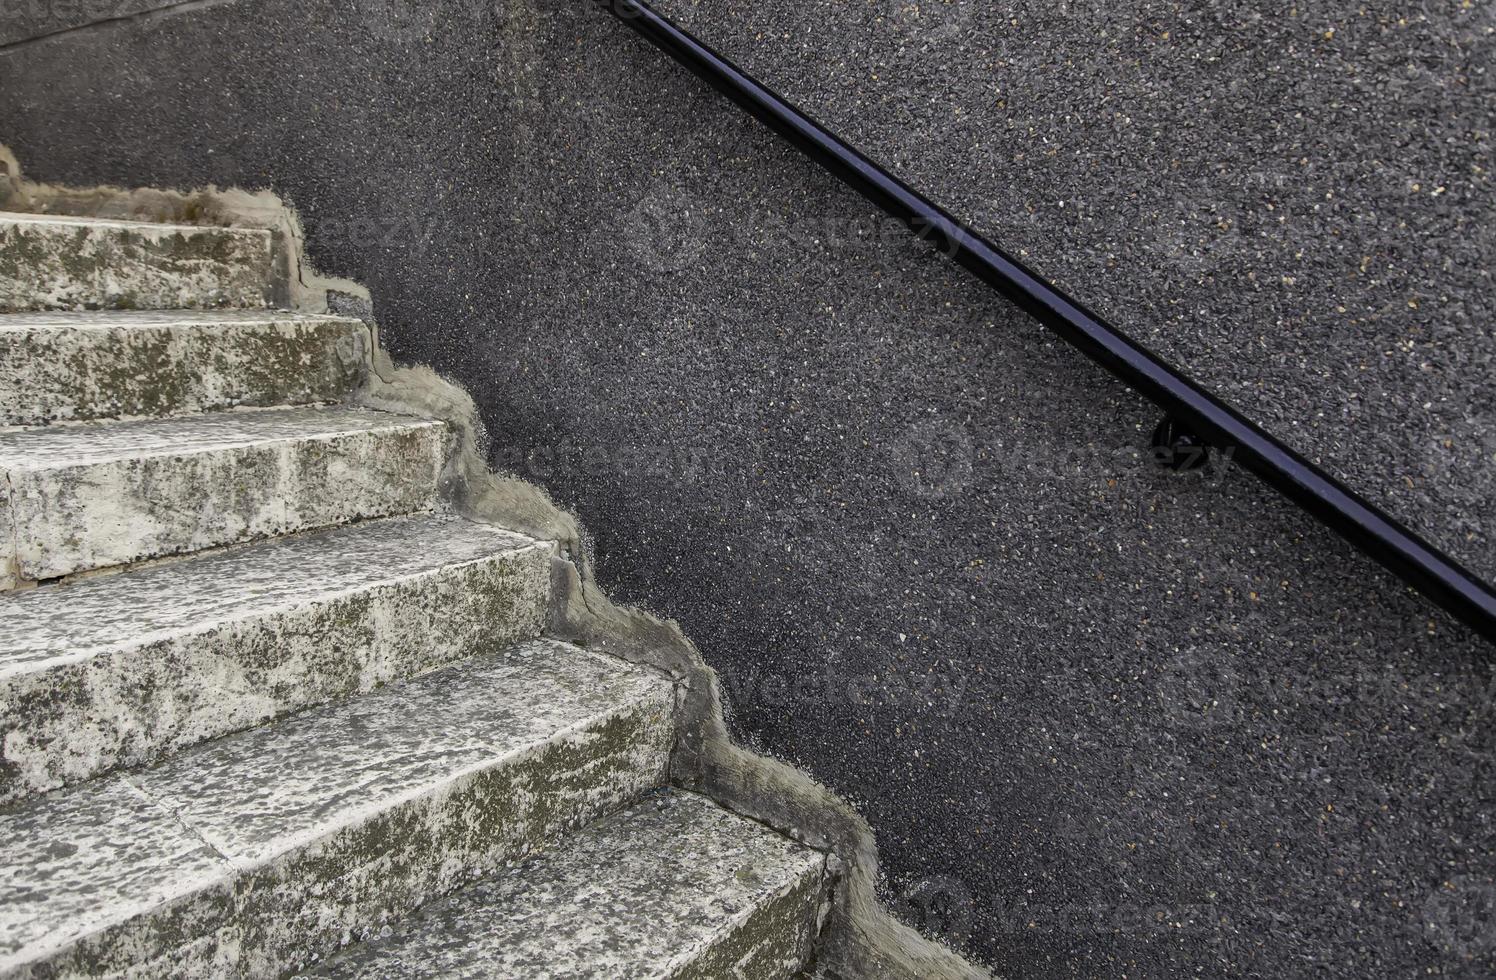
(133, 706)
(674, 887)
(56, 373)
(308, 903)
(50, 264)
(238, 763)
(70, 519)
(774, 943)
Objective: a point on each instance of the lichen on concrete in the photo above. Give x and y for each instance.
(95, 496)
(673, 887)
(121, 670)
(56, 262)
(318, 830)
(110, 844)
(292, 282)
(106, 365)
(860, 938)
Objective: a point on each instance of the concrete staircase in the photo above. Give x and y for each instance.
(267, 705)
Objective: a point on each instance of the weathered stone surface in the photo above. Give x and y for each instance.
(120, 669)
(116, 364)
(93, 496)
(673, 887)
(329, 824)
(108, 850)
(52, 262)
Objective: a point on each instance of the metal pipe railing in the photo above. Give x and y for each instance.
(1375, 533)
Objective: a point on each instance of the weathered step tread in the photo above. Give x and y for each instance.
(674, 886)
(95, 616)
(62, 262)
(82, 365)
(57, 446)
(96, 495)
(87, 859)
(122, 669)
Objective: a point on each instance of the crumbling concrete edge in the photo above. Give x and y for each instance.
(861, 939)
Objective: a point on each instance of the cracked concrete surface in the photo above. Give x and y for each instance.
(29, 23)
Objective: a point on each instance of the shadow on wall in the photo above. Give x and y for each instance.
(1105, 719)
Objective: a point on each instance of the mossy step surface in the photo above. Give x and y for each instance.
(95, 495)
(673, 887)
(251, 855)
(96, 364)
(54, 262)
(121, 669)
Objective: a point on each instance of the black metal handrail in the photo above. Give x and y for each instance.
(1375, 533)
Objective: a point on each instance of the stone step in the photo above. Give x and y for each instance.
(76, 366)
(673, 887)
(122, 669)
(54, 262)
(251, 855)
(96, 495)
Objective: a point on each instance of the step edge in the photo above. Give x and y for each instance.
(813, 867)
(124, 224)
(803, 866)
(12, 461)
(647, 689)
(141, 640)
(232, 868)
(134, 320)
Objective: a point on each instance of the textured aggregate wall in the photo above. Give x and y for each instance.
(1105, 719)
(1292, 201)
